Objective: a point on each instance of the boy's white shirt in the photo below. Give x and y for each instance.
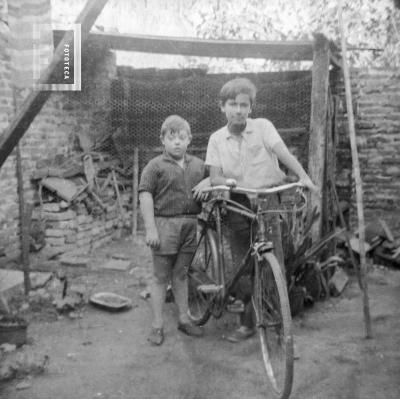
(251, 161)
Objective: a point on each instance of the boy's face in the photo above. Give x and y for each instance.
(237, 111)
(176, 143)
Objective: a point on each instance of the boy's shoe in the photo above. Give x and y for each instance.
(241, 334)
(156, 336)
(190, 329)
(236, 306)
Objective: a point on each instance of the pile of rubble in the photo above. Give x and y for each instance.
(83, 202)
(380, 244)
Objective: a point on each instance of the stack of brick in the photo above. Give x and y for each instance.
(376, 98)
(378, 128)
(68, 231)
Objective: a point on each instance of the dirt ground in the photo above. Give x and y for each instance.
(105, 355)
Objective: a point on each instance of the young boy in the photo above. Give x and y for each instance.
(170, 208)
(245, 152)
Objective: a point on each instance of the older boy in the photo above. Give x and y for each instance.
(169, 211)
(245, 152)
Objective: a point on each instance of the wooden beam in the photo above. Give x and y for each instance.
(318, 124)
(357, 177)
(301, 50)
(135, 192)
(36, 99)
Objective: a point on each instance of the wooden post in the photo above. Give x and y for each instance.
(318, 125)
(357, 178)
(119, 199)
(24, 219)
(135, 184)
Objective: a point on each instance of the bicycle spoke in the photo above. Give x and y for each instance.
(202, 272)
(273, 323)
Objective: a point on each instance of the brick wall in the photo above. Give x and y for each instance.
(52, 132)
(376, 98)
(8, 203)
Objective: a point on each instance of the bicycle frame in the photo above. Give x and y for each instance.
(260, 245)
(211, 293)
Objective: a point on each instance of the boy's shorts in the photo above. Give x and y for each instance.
(177, 244)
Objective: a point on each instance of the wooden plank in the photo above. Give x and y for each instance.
(357, 178)
(328, 215)
(36, 99)
(386, 229)
(318, 125)
(24, 218)
(135, 193)
(301, 50)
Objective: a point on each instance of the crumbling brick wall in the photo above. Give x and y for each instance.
(52, 132)
(8, 204)
(376, 100)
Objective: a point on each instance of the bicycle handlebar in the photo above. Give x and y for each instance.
(244, 190)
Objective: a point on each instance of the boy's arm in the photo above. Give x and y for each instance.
(213, 160)
(217, 178)
(197, 190)
(147, 208)
(286, 157)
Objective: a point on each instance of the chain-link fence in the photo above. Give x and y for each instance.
(140, 101)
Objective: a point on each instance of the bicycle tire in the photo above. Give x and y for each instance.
(274, 323)
(203, 270)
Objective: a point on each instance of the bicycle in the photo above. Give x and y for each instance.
(210, 291)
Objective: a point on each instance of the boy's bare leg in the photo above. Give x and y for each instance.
(162, 266)
(158, 292)
(180, 285)
(180, 290)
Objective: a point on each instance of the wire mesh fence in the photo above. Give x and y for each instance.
(140, 102)
(99, 183)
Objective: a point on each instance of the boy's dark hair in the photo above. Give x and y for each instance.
(175, 123)
(237, 86)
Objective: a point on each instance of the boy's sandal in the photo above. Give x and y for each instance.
(156, 336)
(191, 329)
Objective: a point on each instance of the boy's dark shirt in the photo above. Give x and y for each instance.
(171, 186)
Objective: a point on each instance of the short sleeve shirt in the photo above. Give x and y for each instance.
(252, 161)
(171, 185)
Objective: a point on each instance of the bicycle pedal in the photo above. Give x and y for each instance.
(209, 288)
(235, 307)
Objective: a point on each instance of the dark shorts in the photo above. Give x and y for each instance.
(165, 267)
(177, 245)
(177, 234)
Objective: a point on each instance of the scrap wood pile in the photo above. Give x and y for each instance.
(313, 272)
(81, 199)
(381, 244)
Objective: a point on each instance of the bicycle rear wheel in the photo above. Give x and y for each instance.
(203, 278)
(274, 323)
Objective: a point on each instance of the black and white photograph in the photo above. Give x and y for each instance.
(199, 199)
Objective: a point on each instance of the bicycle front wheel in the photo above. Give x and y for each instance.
(274, 323)
(203, 278)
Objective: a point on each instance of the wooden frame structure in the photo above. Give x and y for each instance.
(320, 51)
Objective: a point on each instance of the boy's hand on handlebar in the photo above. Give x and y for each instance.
(231, 182)
(197, 190)
(306, 181)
